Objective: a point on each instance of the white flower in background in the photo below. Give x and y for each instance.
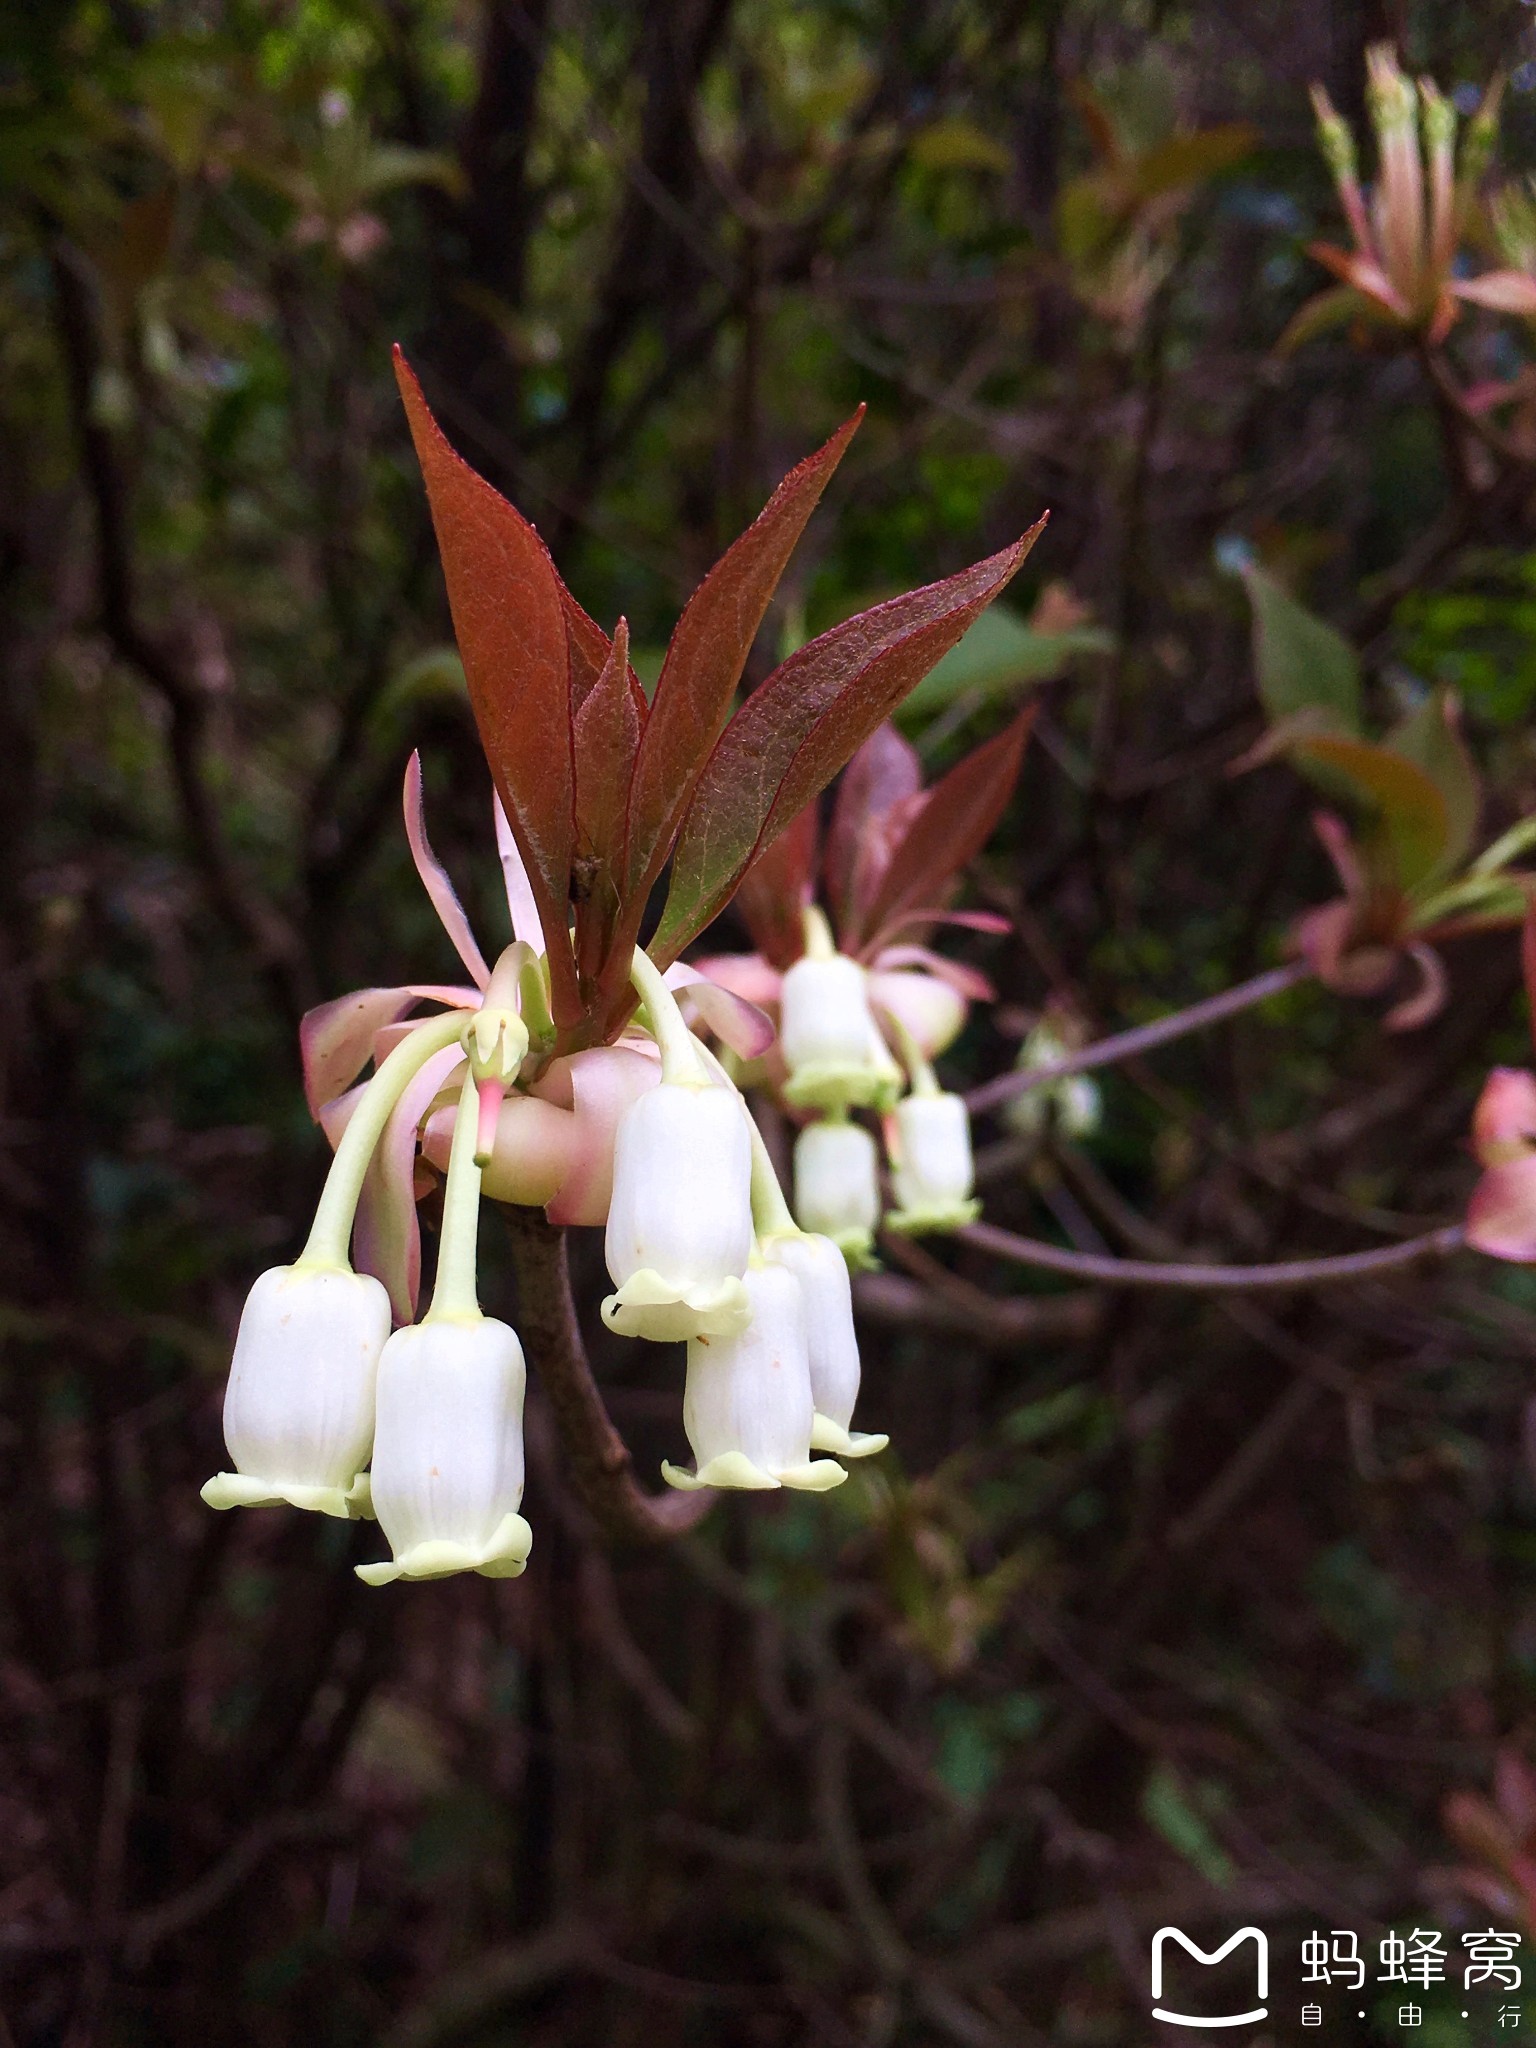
(298, 1411)
(747, 1405)
(1073, 1105)
(448, 1452)
(680, 1220)
(832, 1343)
(448, 1437)
(837, 1184)
(932, 1171)
(831, 1045)
(299, 1407)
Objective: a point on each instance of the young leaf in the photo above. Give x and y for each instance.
(884, 772)
(607, 733)
(776, 889)
(951, 828)
(435, 879)
(709, 649)
(511, 624)
(1406, 809)
(793, 733)
(1430, 739)
(1301, 662)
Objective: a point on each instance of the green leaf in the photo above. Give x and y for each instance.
(959, 146)
(1430, 739)
(1000, 654)
(1406, 813)
(1166, 1807)
(1302, 663)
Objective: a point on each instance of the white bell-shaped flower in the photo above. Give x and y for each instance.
(832, 1344)
(747, 1405)
(932, 1170)
(298, 1411)
(837, 1184)
(828, 1036)
(680, 1221)
(448, 1452)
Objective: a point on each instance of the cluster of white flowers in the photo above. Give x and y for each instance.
(834, 1041)
(422, 1428)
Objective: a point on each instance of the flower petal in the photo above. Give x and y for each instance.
(434, 879)
(521, 907)
(336, 1039)
(1505, 1116)
(387, 1236)
(1501, 1216)
(734, 1019)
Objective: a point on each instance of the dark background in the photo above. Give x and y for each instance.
(1160, 1608)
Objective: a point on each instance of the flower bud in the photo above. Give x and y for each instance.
(298, 1411)
(931, 1166)
(680, 1219)
(827, 1035)
(837, 1184)
(831, 1342)
(747, 1405)
(448, 1452)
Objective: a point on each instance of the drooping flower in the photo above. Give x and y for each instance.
(928, 1139)
(680, 1221)
(448, 1454)
(747, 1406)
(1501, 1216)
(298, 1410)
(827, 1033)
(299, 1406)
(837, 1184)
(831, 1340)
(447, 1475)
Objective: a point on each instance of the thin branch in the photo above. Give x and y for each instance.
(1324, 1272)
(271, 938)
(600, 1460)
(1127, 1045)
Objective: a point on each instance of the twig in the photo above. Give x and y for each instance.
(600, 1460)
(271, 938)
(1127, 1044)
(1324, 1272)
(469, 1994)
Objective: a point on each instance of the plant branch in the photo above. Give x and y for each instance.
(600, 1460)
(1127, 1045)
(1324, 1272)
(273, 941)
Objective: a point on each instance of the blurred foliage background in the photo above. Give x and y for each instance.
(1161, 1608)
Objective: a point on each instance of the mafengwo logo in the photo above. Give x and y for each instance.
(1171, 2016)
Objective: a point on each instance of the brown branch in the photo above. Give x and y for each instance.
(1127, 1045)
(271, 938)
(600, 1460)
(1323, 1272)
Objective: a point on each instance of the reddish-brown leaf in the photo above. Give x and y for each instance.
(607, 732)
(776, 889)
(707, 654)
(793, 734)
(951, 828)
(510, 618)
(884, 772)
